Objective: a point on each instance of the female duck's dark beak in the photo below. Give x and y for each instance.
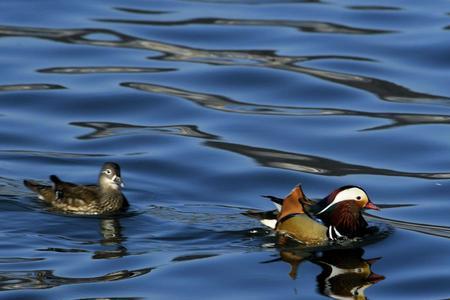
(370, 205)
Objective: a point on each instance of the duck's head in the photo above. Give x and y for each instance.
(110, 176)
(348, 193)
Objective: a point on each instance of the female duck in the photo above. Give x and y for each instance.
(104, 198)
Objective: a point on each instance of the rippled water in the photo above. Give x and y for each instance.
(206, 105)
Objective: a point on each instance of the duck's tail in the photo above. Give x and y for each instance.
(44, 192)
(33, 185)
(267, 218)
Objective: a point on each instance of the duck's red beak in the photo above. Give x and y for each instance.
(374, 278)
(370, 205)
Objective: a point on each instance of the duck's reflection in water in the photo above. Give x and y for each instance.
(345, 273)
(111, 232)
(111, 240)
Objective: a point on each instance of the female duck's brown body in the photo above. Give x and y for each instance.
(104, 198)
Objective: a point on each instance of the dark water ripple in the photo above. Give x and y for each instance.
(316, 27)
(207, 104)
(29, 87)
(311, 164)
(88, 70)
(230, 105)
(107, 129)
(44, 279)
(383, 89)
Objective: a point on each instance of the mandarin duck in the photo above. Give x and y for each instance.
(103, 198)
(340, 213)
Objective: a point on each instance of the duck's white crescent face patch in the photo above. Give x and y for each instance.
(353, 193)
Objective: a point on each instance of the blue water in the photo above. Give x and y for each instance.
(206, 105)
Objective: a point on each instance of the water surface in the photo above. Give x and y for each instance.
(206, 105)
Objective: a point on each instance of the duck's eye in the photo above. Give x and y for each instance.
(358, 198)
(108, 172)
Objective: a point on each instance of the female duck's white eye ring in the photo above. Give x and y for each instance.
(108, 172)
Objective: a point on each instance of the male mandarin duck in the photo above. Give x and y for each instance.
(104, 198)
(340, 213)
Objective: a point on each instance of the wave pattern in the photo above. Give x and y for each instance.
(207, 104)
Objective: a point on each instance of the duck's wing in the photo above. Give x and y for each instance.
(269, 218)
(59, 186)
(309, 205)
(71, 196)
(77, 198)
